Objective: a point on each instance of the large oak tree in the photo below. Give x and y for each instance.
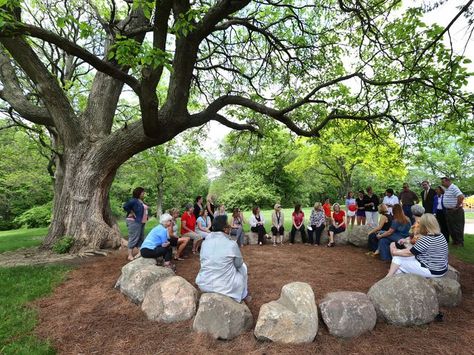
(299, 63)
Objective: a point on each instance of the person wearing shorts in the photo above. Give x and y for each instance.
(188, 226)
(351, 208)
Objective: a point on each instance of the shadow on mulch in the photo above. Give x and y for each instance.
(87, 315)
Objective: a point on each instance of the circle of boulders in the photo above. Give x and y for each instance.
(402, 300)
(348, 314)
(222, 317)
(292, 319)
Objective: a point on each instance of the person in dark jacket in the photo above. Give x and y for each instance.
(427, 196)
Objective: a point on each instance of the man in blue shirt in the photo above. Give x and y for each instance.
(156, 243)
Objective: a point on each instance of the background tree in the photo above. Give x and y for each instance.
(295, 58)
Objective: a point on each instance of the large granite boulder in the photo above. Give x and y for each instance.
(171, 300)
(134, 285)
(222, 317)
(291, 319)
(448, 291)
(453, 274)
(132, 267)
(342, 238)
(358, 236)
(348, 314)
(404, 300)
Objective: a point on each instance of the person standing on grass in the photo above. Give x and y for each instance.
(198, 207)
(298, 224)
(337, 223)
(408, 198)
(257, 225)
(440, 211)
(361, 201)
(453, 202)
(188, 226)
(371, 208)
(427, 196)
(278, 221)
(390, 200)
(177, 242)
(156, 243)
(137, 216)
(351, 208)
(316, 221)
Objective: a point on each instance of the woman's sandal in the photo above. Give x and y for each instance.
(331, 244)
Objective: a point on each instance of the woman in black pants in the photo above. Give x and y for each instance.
(298, 224)
(316, 221)
(257, 225)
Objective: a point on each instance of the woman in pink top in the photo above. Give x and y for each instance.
(298, 224)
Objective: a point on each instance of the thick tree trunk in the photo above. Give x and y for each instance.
(81, 202)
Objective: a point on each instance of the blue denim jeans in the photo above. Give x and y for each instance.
(384, 246)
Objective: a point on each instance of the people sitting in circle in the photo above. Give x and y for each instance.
(385, 221)
(361, 200)
(327, 211)
(351, 208)
(440, 211)
(137, 216)
(337, 223)
(278, 222)
(188, 226)
(399, 229)
(298, 224)
(222, 270)
(390, 200)
(203, 224)
(237, 225)
(257, 225)
(428, 257)
(177, 242)
(417, 211)
(317, 221)
(197, 207)
(156, 243)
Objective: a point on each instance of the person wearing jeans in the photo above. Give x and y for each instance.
(399, 229)
(156, 243)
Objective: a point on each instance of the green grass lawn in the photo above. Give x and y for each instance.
(466, 254)
(18, 286)
(21, 238)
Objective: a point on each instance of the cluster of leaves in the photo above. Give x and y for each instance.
(63, 245)
(35, 217)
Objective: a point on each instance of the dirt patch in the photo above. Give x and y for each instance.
(37, 256)
(85, 315)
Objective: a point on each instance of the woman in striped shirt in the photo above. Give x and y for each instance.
(428, 257)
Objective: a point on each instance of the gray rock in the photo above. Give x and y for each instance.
(132, 267)
(251, 238)
(358, 236)
(222, 317)
(171, 300)
(348, 314)
(453, 274)
(134, 285)
(448, 291)
(404, 300)
(342, 238)
(293, 319)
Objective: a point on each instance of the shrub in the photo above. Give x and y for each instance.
(35, 217)
(63, 245)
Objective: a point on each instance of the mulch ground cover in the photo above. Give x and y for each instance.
(86, 315)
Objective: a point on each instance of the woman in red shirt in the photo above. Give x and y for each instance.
(298, 224)
(338, 225)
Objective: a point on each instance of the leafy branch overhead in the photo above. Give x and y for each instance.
(303, 64)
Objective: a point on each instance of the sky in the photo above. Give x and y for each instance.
(442, 15)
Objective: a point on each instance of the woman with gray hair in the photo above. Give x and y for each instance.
(316, 221)
(156, 243)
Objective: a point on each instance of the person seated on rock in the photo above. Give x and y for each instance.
(417, 211)
(278, 222)
(177, 242)
(337, 223)
(188, 226)
(222, 267)
(385, 222)
(298, 224)
(428, 257)
(317, 224)
(203, 224)
(399, 229)
(237, 224)
(156, 243)
(257, 225)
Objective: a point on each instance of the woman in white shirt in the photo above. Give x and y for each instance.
(257, 225)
